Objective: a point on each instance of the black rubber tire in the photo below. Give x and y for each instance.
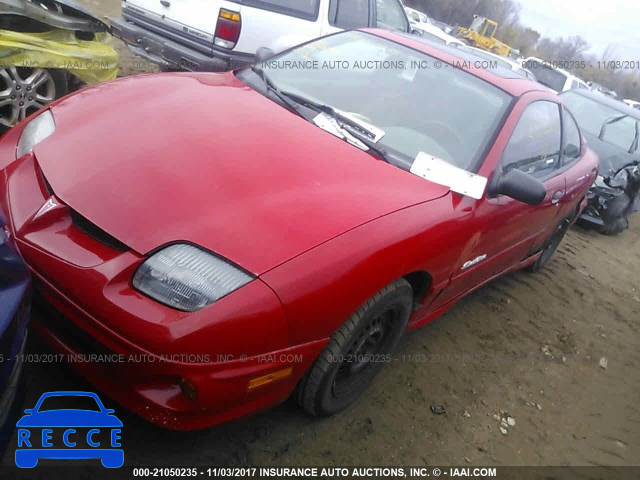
(614, 227)
(60, 78)
(551, 245)
(316, 392)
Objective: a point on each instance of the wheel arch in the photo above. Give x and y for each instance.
(421, 282)
(322, 288)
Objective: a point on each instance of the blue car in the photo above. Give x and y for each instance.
(15, 283)
(87, 431)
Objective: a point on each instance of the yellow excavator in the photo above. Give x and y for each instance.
(481, 34)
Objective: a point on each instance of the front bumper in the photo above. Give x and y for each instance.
(163, 49)
(149, 385)
(15, 285)
(589, 213)
(11, 399)
(597, 199)
(14, 317)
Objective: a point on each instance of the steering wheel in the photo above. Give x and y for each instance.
(442, 131)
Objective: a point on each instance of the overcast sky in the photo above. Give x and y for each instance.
(600, 22)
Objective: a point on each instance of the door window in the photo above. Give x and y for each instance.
(534, 146)
(349, 14)
(390, 15)
(571, 138)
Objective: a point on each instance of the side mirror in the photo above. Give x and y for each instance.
(520, 186)
(263, 53)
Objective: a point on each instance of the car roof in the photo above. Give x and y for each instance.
(499, 58)
(503, 78)
(610, 102)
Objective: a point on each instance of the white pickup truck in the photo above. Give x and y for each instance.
(219, 35)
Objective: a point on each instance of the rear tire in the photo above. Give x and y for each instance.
(551, 245)
(356, 352)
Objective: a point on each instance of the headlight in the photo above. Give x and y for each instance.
(37, 130)
(187, 278)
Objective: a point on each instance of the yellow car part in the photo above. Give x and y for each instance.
(91, 61)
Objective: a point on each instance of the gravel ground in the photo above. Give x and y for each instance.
(554, 354)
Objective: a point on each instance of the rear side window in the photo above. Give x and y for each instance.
(391, 15)
(571, 138)
(307, 9)
(349, 14)
(534, 146)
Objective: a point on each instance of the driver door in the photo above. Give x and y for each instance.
(507, 230)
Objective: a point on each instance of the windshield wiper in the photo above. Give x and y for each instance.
(360, 127)
(376, 150)
(367, 135)
(271, 87)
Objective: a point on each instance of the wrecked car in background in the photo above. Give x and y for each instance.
(47, 49)
(612, 130)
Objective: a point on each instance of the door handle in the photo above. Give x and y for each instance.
(557, 196)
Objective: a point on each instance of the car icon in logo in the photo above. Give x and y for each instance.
(77, 423)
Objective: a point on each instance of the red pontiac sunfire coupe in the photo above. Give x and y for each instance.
(240, 237)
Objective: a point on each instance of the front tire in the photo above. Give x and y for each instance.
(356, 352)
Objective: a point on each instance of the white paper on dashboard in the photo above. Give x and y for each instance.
(438, 171)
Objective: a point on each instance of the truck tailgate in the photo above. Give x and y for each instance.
(196, 18)
(277, 24)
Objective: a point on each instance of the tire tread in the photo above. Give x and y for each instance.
(309, 387)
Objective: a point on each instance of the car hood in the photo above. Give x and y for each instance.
(203, 158)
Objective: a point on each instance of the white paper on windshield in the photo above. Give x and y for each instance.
(438, 171)
(329, 124)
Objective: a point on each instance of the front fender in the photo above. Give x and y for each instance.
(323, 287)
